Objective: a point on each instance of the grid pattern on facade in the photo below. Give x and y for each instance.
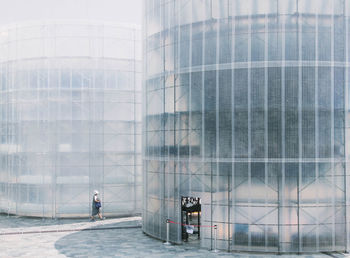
(70, 106)
(246, 107)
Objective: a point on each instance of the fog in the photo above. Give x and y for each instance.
(125, 11)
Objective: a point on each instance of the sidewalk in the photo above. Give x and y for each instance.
(122, 237)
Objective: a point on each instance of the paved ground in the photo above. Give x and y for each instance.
(28, 237)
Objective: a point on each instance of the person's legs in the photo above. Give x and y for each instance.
(100, 215)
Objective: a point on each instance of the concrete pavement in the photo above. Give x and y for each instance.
(121, 237)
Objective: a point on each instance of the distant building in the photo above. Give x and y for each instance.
(246, 108)
(70, 118)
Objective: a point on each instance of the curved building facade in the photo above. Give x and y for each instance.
(70, 118)
(246, 108)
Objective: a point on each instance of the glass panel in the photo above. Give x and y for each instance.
(274, 114)
(69, 121)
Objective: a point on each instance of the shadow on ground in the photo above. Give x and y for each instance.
(98, 241)
(130, 242)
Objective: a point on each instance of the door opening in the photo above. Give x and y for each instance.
(190, 218)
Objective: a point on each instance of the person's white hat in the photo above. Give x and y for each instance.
(95, 192)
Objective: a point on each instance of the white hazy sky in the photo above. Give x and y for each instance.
(126, 11)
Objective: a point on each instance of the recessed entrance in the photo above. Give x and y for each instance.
(190, 218)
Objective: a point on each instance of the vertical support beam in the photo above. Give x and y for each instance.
(316, 137)
(14, 120)
(3, 198)
(135, 124)
(91, 155)
(145, 132)
(103, 165)
(41, 186)
(281, 27)
(233, 198)
(204, 160)
(229, 186)
(5, 68)
(211, 149)
(229, 224)
(217, 108)
(162, 175)
(332, 131)
(189, 131)
(266, 125)
(53, 183)
(346, 133)
(55, 158)
(249, 130)
(177, 55)
(161, 192)
(300, 131)
(203, 95)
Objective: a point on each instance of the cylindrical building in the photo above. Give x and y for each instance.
(70, 118)
(246, 108)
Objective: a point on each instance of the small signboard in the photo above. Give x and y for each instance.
(189, 229)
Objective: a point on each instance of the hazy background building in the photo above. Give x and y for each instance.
(102, 10)
(70, 103)
(246, 107)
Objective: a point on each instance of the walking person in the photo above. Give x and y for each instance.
(96, 206)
